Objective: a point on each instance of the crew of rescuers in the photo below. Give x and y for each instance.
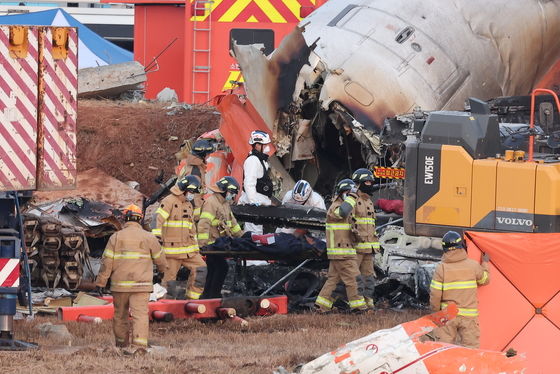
(180, 231)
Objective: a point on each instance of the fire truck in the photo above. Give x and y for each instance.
(38, 106)
(185, 44)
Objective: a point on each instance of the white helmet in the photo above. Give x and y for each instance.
(259, 136)
(301, 192)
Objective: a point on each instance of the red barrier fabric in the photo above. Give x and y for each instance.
(520, 308)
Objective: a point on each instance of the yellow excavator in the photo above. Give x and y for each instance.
(457, 178)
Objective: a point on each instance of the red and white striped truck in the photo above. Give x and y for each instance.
(38, 110)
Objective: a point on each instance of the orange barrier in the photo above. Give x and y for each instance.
(177, 309)
(72, 313)
(520, 308)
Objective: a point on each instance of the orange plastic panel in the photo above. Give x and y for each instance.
(238, 120)
(539, 339)
(552, 310)
(217, 167)
(495, 330)
(528, 261)
(444, 358)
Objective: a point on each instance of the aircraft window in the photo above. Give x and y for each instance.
(253, 36)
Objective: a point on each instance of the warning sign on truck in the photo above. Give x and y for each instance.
(389, 173)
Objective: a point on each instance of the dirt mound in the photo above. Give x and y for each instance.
(133, 141)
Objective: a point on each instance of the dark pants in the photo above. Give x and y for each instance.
(217, 271)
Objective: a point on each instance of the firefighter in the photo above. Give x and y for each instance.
(257, 184)
(363, 227)
(217, 220)
(176, 228)
(128, 260)
(456, 280)
(340, 251)
(195, 162)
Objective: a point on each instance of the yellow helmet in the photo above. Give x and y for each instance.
(132, 211)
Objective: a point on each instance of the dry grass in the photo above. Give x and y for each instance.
(195, 347)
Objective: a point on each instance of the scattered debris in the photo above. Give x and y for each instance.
(94, 184)
(177, 108)
(83, 299)
(110, 81)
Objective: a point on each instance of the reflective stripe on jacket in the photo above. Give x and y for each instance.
(338, 230)
(363, 225)
(175, 225)
(216, 220)
(128, 260)
(456, 280)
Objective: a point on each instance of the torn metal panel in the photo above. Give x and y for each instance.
(400, 350)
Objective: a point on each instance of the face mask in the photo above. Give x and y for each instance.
(366, 188)
(344, 195)
(189, 196)
(230, 196)
(266, 149)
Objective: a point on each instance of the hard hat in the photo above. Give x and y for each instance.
(302, 190)
(259, 136)
(362, 175)
(452, 240)
(226, 184)
(132, 211)
(202, 147)
(189, 183)
(344, 185)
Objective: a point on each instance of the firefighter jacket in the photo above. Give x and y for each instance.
(339, 230)
(128, 260)
(192, 165)
(175, 226)
(363, 225)
(456, 280)
(216, 220)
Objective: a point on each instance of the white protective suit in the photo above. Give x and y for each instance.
(314, 201)
(253, 170)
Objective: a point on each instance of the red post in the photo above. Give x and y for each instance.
(194, 308)
(225, 313)
(267, 308)
(159, 315)
(240, 321)
(88, 319)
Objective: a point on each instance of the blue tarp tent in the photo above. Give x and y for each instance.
(93, 50)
